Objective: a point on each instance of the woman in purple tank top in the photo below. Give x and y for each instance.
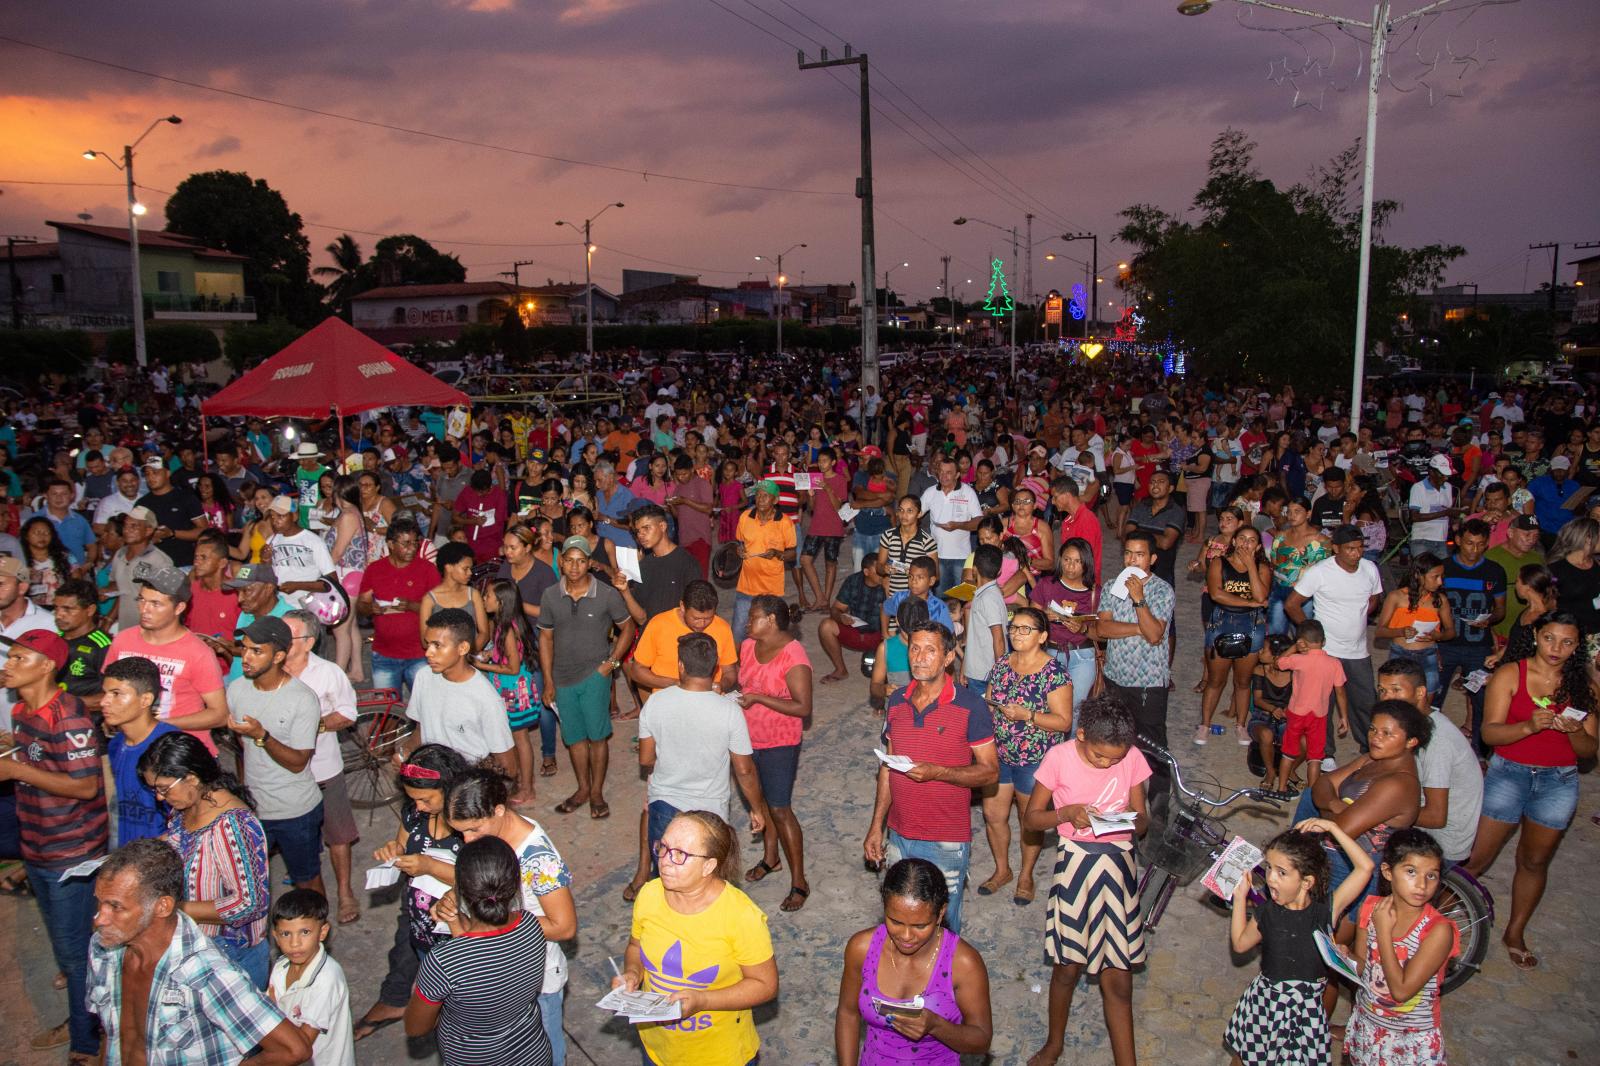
(921, 990)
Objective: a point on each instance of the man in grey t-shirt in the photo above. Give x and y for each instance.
(276, 718)
(1452, 782)
(986, 620)
(688, 736)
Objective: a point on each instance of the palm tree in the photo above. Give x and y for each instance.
(346, 273)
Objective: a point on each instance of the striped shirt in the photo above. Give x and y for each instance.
(489, 984)
(901, 552)
(788, 497)
(226, 863)
(945, 734)
(60, 738)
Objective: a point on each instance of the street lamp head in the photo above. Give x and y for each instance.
(1050, 257)
(783, 279)
(804, 244)
(174, 119)
(619, 205)
(1122, 266)
(593, 248)
(91, 154)
(961, 222)
(1194, 7)
(758, 259)
(138, 208)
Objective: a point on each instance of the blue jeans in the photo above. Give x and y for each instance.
(864, 545)
(1278, 620)
(1466, 658)
(741, 616)
(1544, 795)
(658, 815)
(950, 574)
(67, 908)
(550, 1014)
(256, 962)
(1338, 862)
(395, 673)
(1081, 668)
(1437, 548)
(951, 859)
(548, 724)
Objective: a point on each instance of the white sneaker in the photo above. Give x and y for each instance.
(1329, 765)
(1244, 736)
(1200, 736)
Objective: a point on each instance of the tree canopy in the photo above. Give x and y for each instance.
(406, 259)
(1264, 282)
(227, 209)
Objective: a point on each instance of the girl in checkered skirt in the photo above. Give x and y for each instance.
(1279, 1021)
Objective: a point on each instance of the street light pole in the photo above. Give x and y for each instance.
(962, 221)
(886, 271)
(1380, 27)
(778, 307)
(588, 284)
(135, 209)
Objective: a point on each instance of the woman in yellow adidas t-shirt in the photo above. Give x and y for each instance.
(704, 942)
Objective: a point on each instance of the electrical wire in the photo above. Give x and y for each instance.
(429, 134)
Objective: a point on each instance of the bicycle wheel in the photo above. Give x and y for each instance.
(1462, 900)
(368, 747)
(1156, 886)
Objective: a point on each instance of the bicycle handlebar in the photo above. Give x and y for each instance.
(1151, 748)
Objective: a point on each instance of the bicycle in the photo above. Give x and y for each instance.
(369, 745)
(1192, 840)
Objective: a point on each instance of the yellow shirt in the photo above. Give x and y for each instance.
(762, 577)
(700, 951)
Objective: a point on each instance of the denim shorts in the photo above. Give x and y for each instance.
(1019, 777)
(776, 767)
(1253, 623)
(1545, 795)
(299, 840)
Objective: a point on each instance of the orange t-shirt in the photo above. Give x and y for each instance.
(657, 650)
(762, 577)
(625, 444)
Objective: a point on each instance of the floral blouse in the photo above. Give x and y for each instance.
(1019, 743)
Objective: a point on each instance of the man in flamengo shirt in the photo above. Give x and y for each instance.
(61, 808)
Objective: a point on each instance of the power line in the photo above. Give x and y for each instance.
(449, 138)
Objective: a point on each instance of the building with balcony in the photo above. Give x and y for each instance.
(83, 280)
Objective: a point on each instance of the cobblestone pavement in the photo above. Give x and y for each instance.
(1182, 1000)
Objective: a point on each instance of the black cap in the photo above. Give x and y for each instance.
(1525, 521)
(1346, 534)
(270, 630)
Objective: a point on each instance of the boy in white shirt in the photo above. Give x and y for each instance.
(307, 983)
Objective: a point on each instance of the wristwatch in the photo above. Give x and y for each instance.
(1137, 604)
(615, 664)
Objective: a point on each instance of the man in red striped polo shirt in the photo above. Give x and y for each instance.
(947, 732)
(61, 808)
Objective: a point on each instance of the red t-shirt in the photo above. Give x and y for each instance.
(189, 670)
(1143, 466)
(1086, 525)
(213, 613)
(60, 737)
(395, 635)
(946, 733)
(768, 728)
(825, 521)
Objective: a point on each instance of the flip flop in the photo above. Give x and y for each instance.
(371, 1026)
(630, 892)
(796, 894)
(547, 768)
(1522, 958)
(354, 912)
(760, 870)
(599, 810)
(568, 805)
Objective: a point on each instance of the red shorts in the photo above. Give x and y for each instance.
(860, 639)
(1306, 734)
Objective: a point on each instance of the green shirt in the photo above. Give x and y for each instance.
(306, 481)
(1512, 565)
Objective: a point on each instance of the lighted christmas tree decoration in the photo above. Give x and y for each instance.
(998, 303)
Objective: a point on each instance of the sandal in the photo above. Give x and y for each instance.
(795, 899)
(760, 870)
(367, 1026)
(1522, 958)
(599, 810)
(630, 892)
(547, 768)
(570, 804)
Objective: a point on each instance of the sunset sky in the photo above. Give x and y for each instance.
(1072, 109)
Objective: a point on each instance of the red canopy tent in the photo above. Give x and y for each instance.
(335, 370)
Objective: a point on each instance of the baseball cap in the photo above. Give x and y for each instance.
(154, 462)
(11, 566)
(389, 456)
(44, 641)
(575, 544)
(281, 505)
(143, 514)
(1560, 462)
(536, 455)
(252, 574)
(769, 487)
(168, 580)
(1526, 522)
(1346, 534)
(871, 451)
(270, 630)
(1440, 463)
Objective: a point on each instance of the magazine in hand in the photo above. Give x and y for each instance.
(1337, 960)
(1234, 864)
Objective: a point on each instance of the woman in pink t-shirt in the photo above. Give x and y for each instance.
(775, 692)
(1092, 919)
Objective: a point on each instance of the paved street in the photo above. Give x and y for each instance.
(1182, 1001)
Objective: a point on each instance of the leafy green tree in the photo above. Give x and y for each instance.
(227, 209)
(406, 259)
(249, 343)
(168, 344)
(27, 353)
(345, 274)
(1264, 282)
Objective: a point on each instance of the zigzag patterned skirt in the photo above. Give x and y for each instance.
(1092, 916)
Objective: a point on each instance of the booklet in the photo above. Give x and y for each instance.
(900, 763)
(641, 1007)
(847, 512)
(903, 1008)
(1335, 957)
(383, 876)
(963, 592)
(802, 482)
(1119, 587)
(83, 869)
(1475, 680)
(1232, 866)
(628, 563)
(1112, 822)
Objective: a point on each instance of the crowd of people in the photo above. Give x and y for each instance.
(195, 610)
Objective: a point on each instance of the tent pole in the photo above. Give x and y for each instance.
(338, 414)
(205, 441)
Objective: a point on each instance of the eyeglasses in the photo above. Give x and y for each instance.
(676, 856)
(162, 790)
(1022, 629)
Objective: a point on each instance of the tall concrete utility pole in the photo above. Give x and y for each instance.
(949, 300)
(869, 270)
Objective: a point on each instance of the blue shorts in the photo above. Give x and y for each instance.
(299, 840)
(1253, 623)
(776, 767)
(1545, 795)
(1019, 777)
